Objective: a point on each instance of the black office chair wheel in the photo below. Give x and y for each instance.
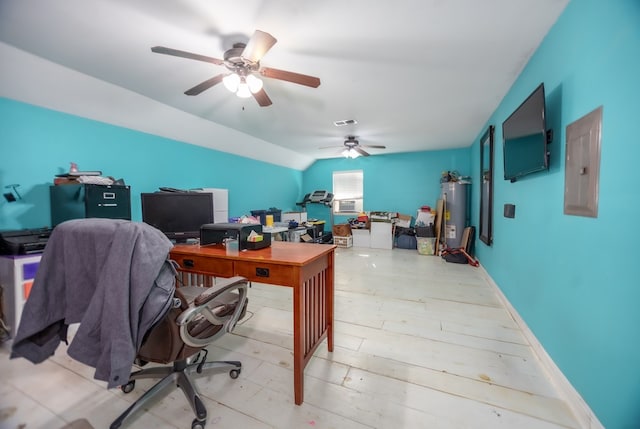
(128, 388)
(234, 373)
(198, 424)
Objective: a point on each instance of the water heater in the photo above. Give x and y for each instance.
(455, 216)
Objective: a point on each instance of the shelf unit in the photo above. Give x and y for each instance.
(17, 273)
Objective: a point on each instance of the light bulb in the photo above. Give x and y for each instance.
(254, 83)
(231, 82)
(350, 153)
(243, 90)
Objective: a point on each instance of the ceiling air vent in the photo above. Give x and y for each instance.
(345, 122)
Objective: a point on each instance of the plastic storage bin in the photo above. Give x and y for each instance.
(426, 245)
(262, 215)
(346, 241)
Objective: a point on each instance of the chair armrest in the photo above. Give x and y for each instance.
(221, 287)
(201, 308)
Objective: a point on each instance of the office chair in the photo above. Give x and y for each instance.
(199, 317)
(114, 278)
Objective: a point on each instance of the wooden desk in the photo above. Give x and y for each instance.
(307, 268)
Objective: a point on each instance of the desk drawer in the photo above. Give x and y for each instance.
(263, 272)
(202, 264)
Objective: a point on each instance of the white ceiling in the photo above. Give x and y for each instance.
(416, 74)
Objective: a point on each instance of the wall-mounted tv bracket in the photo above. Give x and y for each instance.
(549, 140)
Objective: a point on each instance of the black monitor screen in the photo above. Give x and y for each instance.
(178, 215)
(525, 137)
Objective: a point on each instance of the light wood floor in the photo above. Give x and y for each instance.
(419, 343)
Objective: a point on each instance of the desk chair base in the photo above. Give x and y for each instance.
(178, 375)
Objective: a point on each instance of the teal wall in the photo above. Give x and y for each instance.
(398, 182)
(576, 280)
(37, 143)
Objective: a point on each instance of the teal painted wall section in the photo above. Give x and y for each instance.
(38, 143)
(397, 182)
(576, 280)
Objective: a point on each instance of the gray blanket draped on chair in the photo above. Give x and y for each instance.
(106, 285)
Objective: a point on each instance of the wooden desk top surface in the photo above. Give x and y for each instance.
(284, 252)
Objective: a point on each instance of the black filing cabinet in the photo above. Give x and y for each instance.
(85, 200)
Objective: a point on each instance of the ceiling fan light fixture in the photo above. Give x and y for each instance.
(243, 89)
(231, 82)
(255, 84)
(350, 153)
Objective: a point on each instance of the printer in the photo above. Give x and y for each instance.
(24, 241)
(218, 233)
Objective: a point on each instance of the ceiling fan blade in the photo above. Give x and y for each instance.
(361, 151)
(301, 79)
(258, 45)
(262, 98)
(185, 54)
(205, 85)
(373, 146)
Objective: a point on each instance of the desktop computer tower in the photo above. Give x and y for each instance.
(85, 200)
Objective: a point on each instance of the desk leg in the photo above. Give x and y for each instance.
(298, 345)
(329, 299)
(312, 317)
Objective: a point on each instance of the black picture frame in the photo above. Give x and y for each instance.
(487, 144)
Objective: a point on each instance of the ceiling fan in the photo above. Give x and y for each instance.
(353, 148)
(243, 63)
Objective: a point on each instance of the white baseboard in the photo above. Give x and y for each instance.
(579, 407)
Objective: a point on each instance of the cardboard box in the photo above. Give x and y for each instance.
(341, 230)
(404, 221)
(382, 216)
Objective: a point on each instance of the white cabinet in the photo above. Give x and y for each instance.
(381, 235)
(17, 273)
(220, 204)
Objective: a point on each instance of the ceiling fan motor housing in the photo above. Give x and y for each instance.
(351, 142)
(234, 61)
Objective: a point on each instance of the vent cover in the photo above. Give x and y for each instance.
(345, 122)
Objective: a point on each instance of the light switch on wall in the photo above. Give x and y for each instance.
(510, 210)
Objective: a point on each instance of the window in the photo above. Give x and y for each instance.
(347, 192)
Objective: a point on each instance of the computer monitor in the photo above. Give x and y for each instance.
(178, 215)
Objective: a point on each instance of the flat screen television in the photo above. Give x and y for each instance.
(525, 138)
(178, 215)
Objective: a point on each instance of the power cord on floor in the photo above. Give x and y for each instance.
(246, 318)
